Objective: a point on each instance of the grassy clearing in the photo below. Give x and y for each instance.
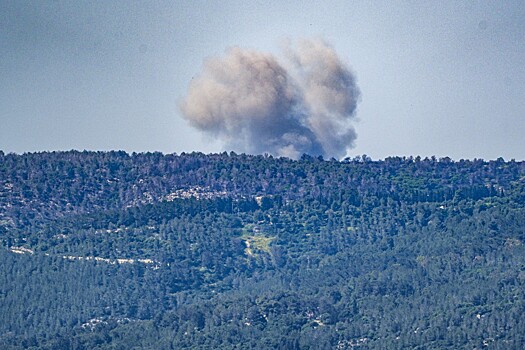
(256, 244)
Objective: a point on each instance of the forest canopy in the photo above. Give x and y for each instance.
(109, 250)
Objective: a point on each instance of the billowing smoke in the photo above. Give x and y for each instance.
(255, 104)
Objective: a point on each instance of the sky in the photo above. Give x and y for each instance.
(442, 78)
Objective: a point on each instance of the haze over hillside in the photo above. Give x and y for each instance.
(283, 236)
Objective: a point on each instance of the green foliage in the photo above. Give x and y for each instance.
(225, 251)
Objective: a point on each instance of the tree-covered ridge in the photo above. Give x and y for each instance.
(84, 181)
(111, 250)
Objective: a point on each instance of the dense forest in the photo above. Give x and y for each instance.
(109, 250)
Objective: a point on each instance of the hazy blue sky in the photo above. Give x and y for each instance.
(444, 78)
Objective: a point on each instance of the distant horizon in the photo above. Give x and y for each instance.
(433, 78)
(229, 153)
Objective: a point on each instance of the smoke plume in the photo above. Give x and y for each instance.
(256, 104)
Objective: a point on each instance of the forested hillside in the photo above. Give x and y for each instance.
(106, 250)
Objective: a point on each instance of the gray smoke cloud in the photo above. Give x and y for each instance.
(256, 104)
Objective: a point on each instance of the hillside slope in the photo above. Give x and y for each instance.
(192, 251)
